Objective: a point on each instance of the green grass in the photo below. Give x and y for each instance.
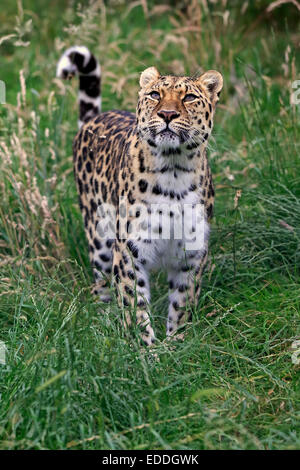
(71, 378)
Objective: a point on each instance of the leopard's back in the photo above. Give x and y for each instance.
(99, 154)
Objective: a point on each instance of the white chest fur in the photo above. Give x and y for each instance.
(174, 224)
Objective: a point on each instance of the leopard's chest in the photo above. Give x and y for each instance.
(174, 221)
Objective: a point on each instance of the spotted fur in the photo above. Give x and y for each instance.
(78, 60)
(154, 159)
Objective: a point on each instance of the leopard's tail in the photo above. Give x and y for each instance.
(79, 60)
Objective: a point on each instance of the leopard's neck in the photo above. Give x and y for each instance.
(172, 162)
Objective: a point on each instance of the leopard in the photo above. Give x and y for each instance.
(145, 188)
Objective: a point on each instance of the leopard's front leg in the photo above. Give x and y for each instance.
(184, 290)
(132, 279)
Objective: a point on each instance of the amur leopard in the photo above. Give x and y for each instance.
(145, 186)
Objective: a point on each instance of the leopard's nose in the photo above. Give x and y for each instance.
(167, 115)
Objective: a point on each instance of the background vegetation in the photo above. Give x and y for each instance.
(71, 380)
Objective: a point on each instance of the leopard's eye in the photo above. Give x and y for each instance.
(155, 95)
(190, 97)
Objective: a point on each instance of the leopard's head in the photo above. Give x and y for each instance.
(175, 111)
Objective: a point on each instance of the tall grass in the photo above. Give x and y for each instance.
(71, 378)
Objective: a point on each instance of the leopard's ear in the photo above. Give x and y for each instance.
(212, 82)
(148, 76)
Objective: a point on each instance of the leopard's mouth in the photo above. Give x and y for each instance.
(167, 133)
(168, 138)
